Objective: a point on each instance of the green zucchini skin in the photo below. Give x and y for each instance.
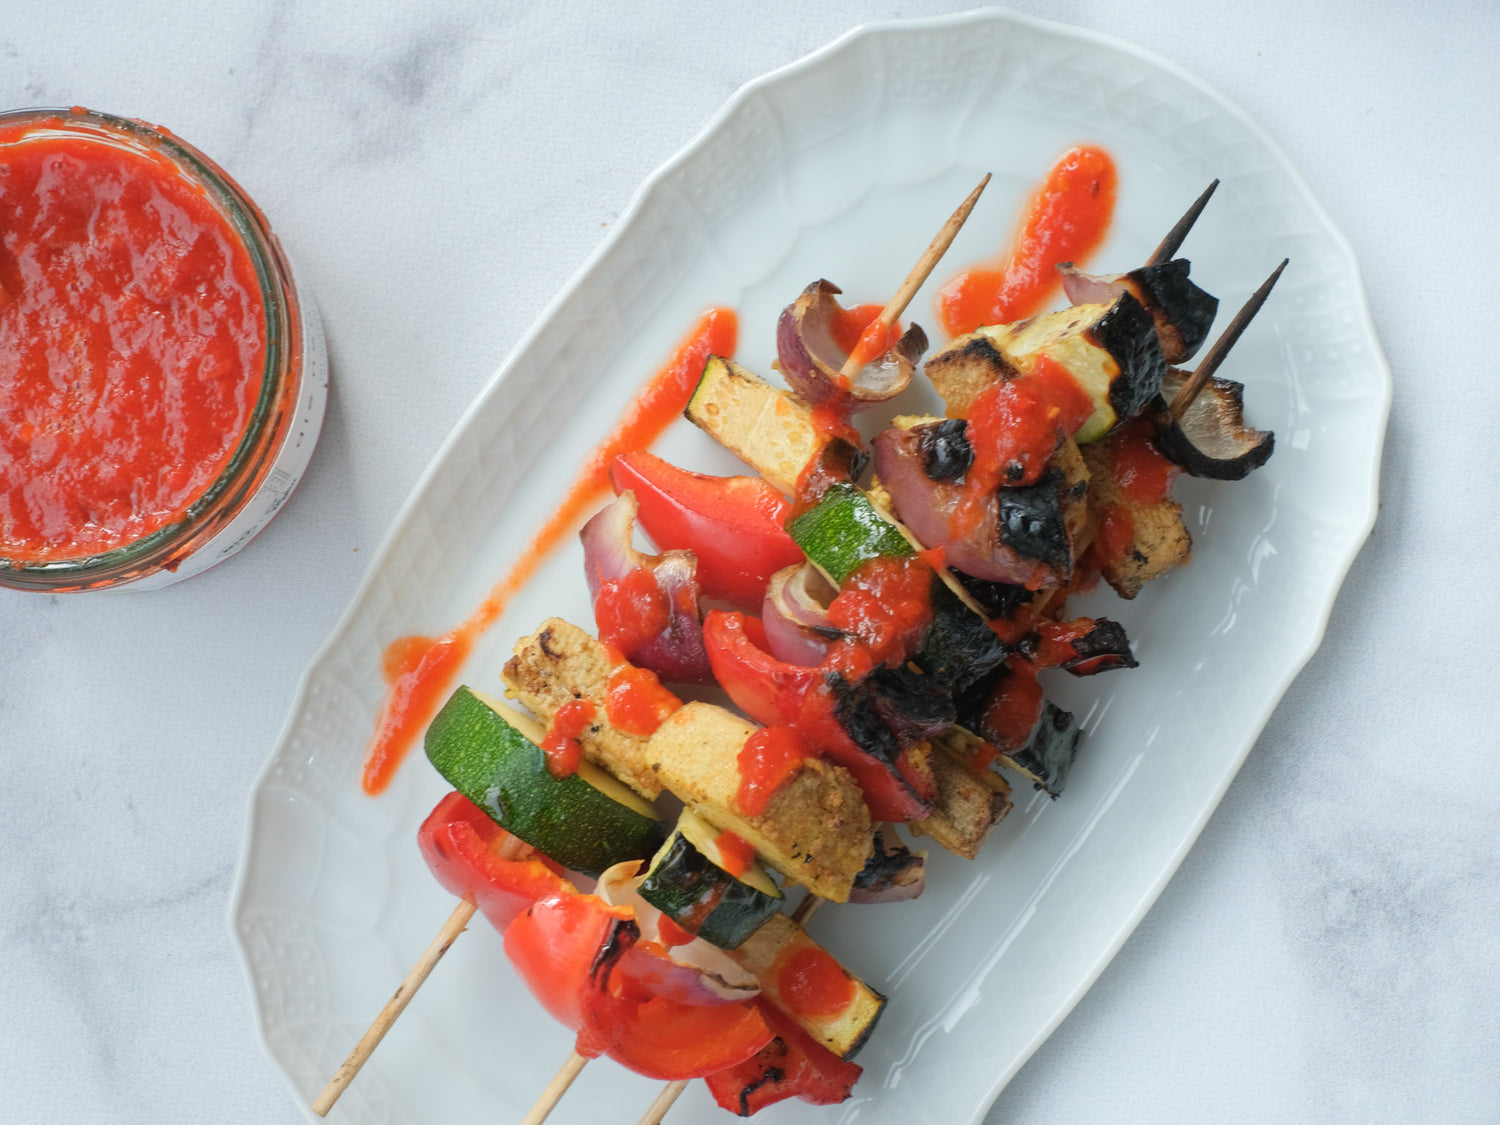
(702, 897)
(844, 531)
(503, 772)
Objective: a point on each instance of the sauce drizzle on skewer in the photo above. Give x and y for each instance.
(1065, 220)
(419, 670)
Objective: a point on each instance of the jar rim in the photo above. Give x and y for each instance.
(170, 544)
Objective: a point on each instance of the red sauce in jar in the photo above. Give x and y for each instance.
(561, 744)
(635, 701)
(769, 757)
(1064, 221)
(811, 983)
(132, 344)
(415, 695)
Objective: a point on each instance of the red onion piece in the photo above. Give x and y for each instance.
(676, 654)
(927, 506)
(608, 553)
(795, 616)
(696, 973)
(811, 360)
(1090, 289)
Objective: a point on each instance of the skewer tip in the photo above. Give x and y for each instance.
(1215, 356)
(1179, 232)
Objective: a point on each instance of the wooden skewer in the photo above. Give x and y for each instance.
(1210, 362)
(1175, 236)
(457, 922)
(919, 273)
(658, 1109)
(555, 1090)
(513, 848)
(806, 909)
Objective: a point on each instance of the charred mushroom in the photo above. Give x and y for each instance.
(1210, 439)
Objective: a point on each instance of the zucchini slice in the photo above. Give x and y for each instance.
(816, 829)
(769, 429)
(688, 883)
(1111, 350)
(586, 821)
(844, 530)
(771, 954)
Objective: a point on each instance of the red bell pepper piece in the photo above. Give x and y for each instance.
(461, 845)
(735, 525)
(563, 947)
(670, 1039)
(793, 1065)
(569, 948)
(771, 692)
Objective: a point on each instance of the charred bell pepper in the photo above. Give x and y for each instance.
(792, 1065)
(771, 692)
(570, 948)
(735, 525)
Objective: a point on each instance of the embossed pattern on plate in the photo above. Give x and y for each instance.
(883, 131)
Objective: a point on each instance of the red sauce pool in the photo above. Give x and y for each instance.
(132, 344)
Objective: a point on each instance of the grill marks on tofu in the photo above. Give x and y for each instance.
(816, 829)
(964, 368)
(560, 663)
(1159, 539)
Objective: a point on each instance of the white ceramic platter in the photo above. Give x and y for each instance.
(841, 166)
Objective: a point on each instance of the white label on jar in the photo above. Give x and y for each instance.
(286, 470)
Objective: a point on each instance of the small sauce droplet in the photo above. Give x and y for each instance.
(635, 701)
(811, 983)
(769, 757)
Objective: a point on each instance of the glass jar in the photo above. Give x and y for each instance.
(235, 498)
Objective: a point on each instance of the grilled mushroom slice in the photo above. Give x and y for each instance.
(1210, 439)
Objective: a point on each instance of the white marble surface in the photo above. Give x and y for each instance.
(1327, 952)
